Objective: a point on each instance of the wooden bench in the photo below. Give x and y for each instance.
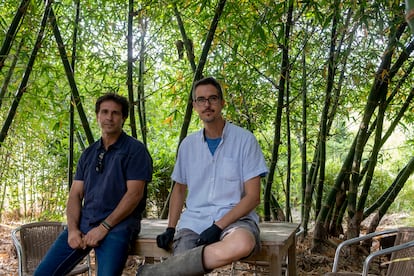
(278, 241)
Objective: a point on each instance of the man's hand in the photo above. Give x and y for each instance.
(164, 239)
(75, 240)
(210, 235)
(95, 235)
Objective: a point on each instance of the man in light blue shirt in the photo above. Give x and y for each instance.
(217, 174)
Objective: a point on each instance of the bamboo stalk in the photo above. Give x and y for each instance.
(5, 49)
(72, 101)
(26, 75)
(70, 76)
(9, 74)
(130, 86)
(200, 67)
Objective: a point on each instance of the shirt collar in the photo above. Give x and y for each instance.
(115, 145)
(223, 134)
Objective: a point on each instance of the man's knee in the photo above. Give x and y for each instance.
(242, 242)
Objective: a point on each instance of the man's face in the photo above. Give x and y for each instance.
(207, 103)
(110, 118)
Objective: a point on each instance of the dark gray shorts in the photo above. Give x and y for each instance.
(186, 239)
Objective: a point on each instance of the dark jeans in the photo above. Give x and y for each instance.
(111, 255)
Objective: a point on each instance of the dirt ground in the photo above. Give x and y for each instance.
(307, 263)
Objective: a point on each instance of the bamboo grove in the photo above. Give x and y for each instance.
(326, 87)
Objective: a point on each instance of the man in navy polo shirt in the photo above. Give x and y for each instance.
(107, 197)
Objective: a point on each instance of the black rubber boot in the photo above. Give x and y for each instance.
(190, 263)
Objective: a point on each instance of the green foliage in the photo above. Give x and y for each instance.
(404, 201)
(379, 185)
(163, 162)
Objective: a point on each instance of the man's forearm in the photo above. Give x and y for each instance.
(176, 205)
(243, 208)
(247, 204)
(73, 210)
(124, 208)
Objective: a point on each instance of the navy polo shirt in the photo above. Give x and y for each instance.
(105, 180)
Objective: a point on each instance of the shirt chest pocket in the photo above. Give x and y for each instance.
(231, 186)
(229, 170)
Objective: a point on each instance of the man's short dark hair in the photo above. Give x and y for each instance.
(208, 80)
(116, 98)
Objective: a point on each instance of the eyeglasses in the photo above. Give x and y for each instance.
(99, 164)
(213, 100)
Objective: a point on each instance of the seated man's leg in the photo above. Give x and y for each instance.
(184, 239)
(61, 258)
(240, 240)
(112, 253)
(188, 263)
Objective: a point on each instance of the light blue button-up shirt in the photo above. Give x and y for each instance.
(216, 182)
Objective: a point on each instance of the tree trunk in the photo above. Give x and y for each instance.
(379, 90)
(304, 143)
(72, 102)
(309, 188)
(130, 84)
(316, 177)
(288, 210)
(372, 162)
(340, 186)
(280, 104)
(289, 147)
(141, 91)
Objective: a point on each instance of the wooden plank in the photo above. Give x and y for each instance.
(270, 233)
